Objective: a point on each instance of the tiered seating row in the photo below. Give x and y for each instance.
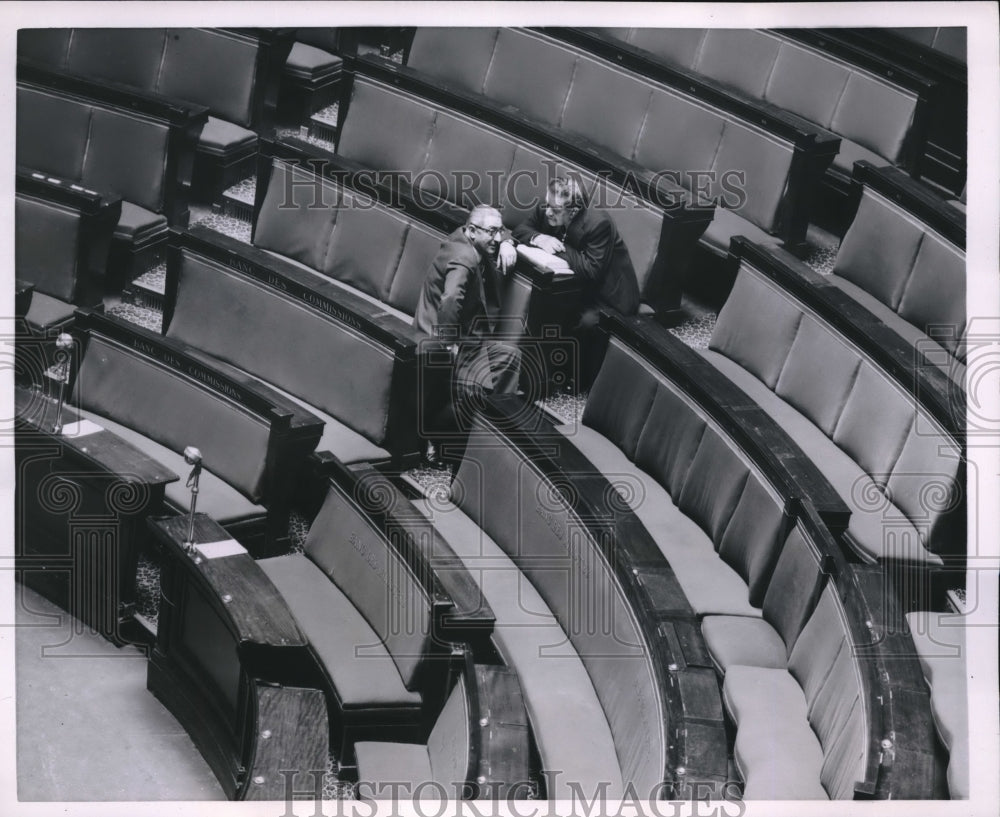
(880, 112)
(395, 123)
(111, 140)
(560, 85)
(233, 72)
(161, 398)
(360, 614)
(344, 359)
(895, 460)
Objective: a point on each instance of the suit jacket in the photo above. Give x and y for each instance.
(596, 254)
(461, 290)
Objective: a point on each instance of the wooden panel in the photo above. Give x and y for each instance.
(290, 742)
(503, 733)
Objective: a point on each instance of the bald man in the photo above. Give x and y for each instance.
(460, 303)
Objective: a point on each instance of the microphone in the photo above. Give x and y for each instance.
(64, 357)
(192, 456)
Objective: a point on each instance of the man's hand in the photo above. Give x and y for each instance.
(548, 243)
(508, 255)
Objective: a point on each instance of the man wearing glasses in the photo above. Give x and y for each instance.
(460, 303)
(589, 242)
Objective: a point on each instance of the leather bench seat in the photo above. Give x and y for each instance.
(343, 442)
(800, 731)
(335, 629)
(561, 86)
(216, 497)
(877, 447)
(311, 63)
(712, 517)
(372, 251)
(367, 618)
(568, 722)
(727, 223)
(870, 114)
(941, 648)
(791, 596)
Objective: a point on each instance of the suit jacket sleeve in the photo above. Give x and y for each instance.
(590, 258)
(456, 284)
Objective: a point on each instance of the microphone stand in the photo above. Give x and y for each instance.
(64, 359)
(192, 456)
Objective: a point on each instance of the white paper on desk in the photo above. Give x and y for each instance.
(219, 550)
(80, 428)
(544, 260)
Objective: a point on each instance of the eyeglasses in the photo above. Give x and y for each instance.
(492, 232)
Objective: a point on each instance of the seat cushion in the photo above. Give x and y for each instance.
(138, 225)
(362, 679)
(219, 137)
(776, 751)
(710, 585)
(381, 766)
(733, 640)
(311, 63)
(726, 224)
(217, 498)
(47, 312)
(567, 720)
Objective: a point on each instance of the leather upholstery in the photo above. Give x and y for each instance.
(46, 246)
(127, 155)
(174, 412)
(373, 576)
(362, 672)
(874, 114)
(326, 363)
(934, 295)
(47, 312)
(751, 541)
(51, 133)
(678, 45)
(460, 145)
(806, 83)
(137, 225)
(364, 249)
(221, 137)
(620, 400)
(45, 45)
(756, 328)
(312, 62)
(460, 56)
(740, 58)
(448, 743)
(567, 718)
(714, 484)
(531, 74)
(420, 245)
(678, 136)
(130, 56)
(669, 440)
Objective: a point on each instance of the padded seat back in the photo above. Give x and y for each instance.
(858, 406)
(214, 68)
(130, 56)
(346, 236)
(468, 163)
(794, 588)
(174, 410)
(351, 550)
(823, 663)
(47, 246)
(105, 148)
(501, 490)
(678, 45)
(907, 266)
(448, 743)
(284, 342)
(657, 427)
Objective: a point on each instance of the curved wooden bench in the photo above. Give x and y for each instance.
(341, 357)
(559, 78)
(394, 121)
(160, 397)
(232, 72)
(883, 430)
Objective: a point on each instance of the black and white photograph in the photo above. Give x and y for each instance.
(500, 408)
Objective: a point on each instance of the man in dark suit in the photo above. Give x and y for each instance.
(590, 243)
(460, 303)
